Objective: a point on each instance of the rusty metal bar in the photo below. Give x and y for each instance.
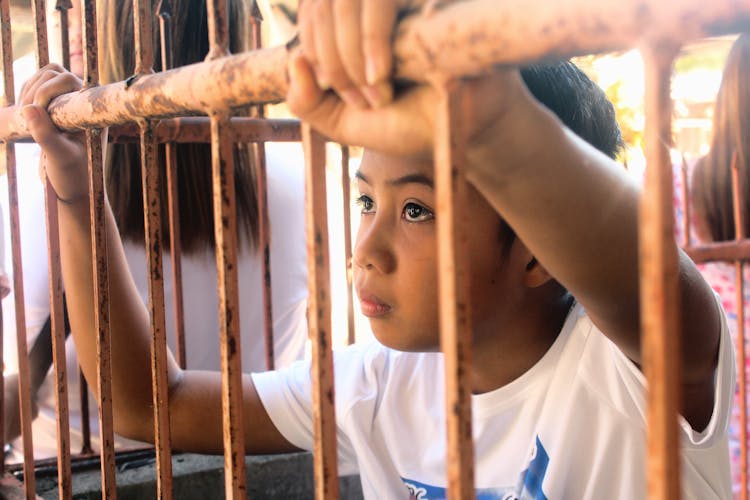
(99, 261)
(451, 191)
(8, 162)
(198, 129)
(319, 317)
(144, 64)
(659, 296)
(144, 44)
(9, 155)
(225, 224)
(264, 244)
(39, 14)
(160, 387)
(739, 233)
(264, 221)
(460, 38)
(101, 309)
(56, 289)
(167, 57)
(346, 189)
(218, 29)
(62, 7)
(728, 251)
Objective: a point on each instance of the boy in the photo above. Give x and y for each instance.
(558, 398)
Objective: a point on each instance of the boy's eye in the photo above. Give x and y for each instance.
(416, 213)
(366, 204)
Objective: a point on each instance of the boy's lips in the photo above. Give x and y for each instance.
(371, 305)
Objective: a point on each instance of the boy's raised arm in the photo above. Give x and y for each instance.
(65, 164)
(574, 209)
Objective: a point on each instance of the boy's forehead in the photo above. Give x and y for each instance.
(383, 166)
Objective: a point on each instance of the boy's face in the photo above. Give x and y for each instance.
(395, 256)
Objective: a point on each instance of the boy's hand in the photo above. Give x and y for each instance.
(347, 48)
(63, 155)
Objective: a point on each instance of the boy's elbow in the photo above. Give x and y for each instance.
(134, 422)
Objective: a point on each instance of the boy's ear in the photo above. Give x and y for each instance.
(535, 275)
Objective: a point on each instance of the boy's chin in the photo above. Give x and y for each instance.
(399, 343)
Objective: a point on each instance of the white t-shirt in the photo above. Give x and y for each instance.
(289, 287)
(572, 427)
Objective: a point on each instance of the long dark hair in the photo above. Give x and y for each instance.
(123, 170)
(712, 178)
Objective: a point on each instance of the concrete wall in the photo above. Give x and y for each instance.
(201, 477)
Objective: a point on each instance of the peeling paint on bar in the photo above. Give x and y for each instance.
(461, 38)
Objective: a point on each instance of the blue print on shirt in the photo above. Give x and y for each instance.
(529, 487)
(533, 476)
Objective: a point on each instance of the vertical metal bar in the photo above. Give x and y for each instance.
(264, 222)
(40, 32)
(455, 310)
(225, 223)
(62, 7)
(167, 57)
(64, 474)
(264, 237)
(144, 44)
(218, 29)
(8, 162)
(319, 316)
(144, 54)
(659, 297)
(152, 226)
(346, 189)
(99, 262)
(739, 234)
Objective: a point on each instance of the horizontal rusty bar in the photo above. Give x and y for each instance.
(198, 129)
(727, 251)
(462, 38)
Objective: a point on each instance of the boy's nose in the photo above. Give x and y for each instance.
(373, 253)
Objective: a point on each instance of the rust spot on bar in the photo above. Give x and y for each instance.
(225, 224)
(319, 324)
(453, 287)
(346, 195)
(160, 389)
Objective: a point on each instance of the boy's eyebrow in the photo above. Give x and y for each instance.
(406, 179)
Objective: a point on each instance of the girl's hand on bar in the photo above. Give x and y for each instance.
(63, 155)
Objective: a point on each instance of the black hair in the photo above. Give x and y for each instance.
(194, 181)
(579, 103)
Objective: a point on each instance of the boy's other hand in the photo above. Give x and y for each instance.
(341, 83)
(64, 155)
(348, 44)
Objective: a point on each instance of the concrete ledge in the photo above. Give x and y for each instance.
(201, 477)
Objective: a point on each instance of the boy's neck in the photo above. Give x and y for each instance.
(511, 351)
